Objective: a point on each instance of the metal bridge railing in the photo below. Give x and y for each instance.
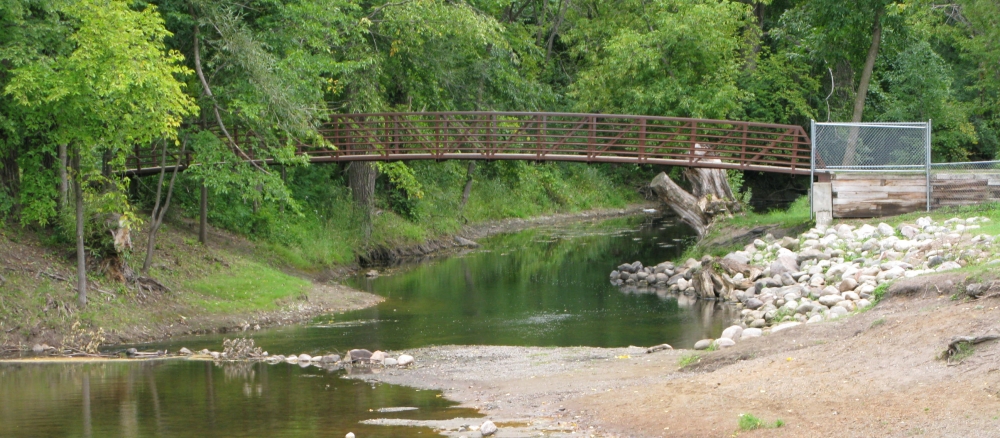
(549, 137)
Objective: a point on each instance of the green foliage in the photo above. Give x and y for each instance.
(675, 58)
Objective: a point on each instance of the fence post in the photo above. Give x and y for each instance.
(928, 163)
(812, 163)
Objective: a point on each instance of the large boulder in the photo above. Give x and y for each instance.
(703, 344)
(359, 355)
(753, 303)
(830, 300)
(784, 264)
(488, 428)
(732, 332)
(735, 264)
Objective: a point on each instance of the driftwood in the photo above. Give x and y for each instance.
(710, 194)
(971, 340)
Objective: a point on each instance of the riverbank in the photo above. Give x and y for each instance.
(231, 285)
(872, 374)
(879, 372)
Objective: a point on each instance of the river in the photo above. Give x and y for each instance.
(540, 287)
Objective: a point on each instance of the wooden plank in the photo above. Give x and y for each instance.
(885, 189)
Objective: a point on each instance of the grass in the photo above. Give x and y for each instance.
(247, 286)
(750, 422)
(964, 351)
(688, 359)
(796, 215)
(878, 322)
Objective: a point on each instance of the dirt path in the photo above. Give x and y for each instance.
(871, 374)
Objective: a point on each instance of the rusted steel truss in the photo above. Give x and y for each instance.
(590, 138)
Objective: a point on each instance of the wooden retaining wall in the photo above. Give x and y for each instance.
(862, 195)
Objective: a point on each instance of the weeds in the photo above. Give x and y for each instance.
(878, 322)
(750, 422)
(963, 350)
(688, 359)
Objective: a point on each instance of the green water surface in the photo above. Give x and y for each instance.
(541, 287)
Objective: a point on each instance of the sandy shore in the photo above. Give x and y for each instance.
(874, 373)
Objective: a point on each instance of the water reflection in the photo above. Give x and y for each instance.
(540, 287)
(188, 398)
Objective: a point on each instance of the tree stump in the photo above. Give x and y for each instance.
(710, 195)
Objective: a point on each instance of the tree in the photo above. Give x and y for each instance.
(674, 59)
(118, 86)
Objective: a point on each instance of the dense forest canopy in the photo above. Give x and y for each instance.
(83, 81)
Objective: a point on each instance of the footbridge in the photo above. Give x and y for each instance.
(540, 136)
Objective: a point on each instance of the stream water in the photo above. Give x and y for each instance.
(541, 287)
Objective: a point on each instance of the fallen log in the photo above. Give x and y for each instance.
(953, 346)
(710, 194)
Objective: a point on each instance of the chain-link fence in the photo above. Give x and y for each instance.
(876, 168)
(964, 183)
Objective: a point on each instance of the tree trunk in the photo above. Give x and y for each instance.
(468, 185)
(63, 181)
(859, 99)
(156, 218)
(81, 256)
(10, 178)
(682, 202)
(361, 176)
(203, 213)
(710, 195)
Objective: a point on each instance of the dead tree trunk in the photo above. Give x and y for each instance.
(361, 176)
(710, 196)
(203, 216)
(81, 256)
(859, 99)
(468, 185)
(63, 179)
(156, 219)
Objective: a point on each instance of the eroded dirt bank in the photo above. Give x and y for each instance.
(875, 373)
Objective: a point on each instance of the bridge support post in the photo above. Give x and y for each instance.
(823, 204)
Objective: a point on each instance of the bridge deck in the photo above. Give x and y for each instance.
(591, 138)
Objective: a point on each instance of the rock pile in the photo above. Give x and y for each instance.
(357, 357)
(825, 273)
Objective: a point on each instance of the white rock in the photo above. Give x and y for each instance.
(349, 435)
(863, 303)
(488, 428)
(185, 351)
(751, 333)
(815, 318)
(724, 342)
(304, 358)
(732, 332)
(837, 311)
(784, 326)
(947, 266)
(404, 360)
(378, 356)
(851, 296)
(886, 230)
(830, 300)
(703, 344)
(389, 362)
